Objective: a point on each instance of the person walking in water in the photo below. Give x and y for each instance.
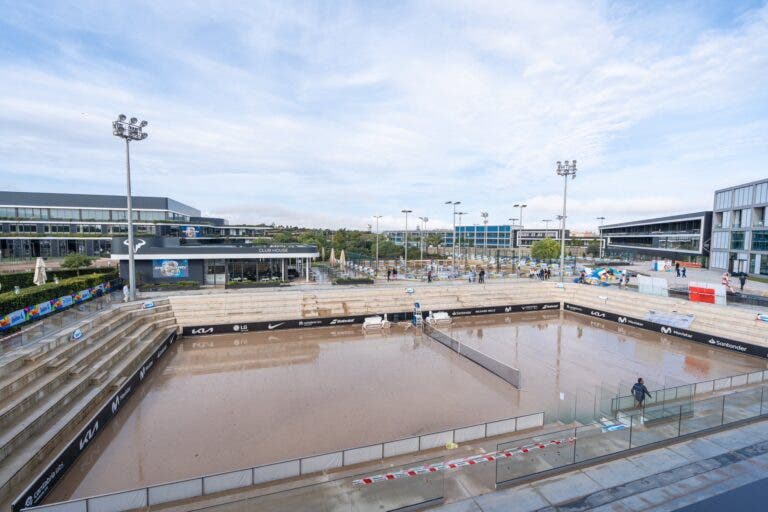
(639, 391)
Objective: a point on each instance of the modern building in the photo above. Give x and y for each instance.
(739, 231)
(684, 237)
(493, 237)
(168, 259)
(53, 225)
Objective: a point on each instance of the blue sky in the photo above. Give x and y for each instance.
(326, 113)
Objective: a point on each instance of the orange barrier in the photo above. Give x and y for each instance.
(689, 264)
(699, 294)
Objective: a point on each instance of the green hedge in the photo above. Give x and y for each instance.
(169, 284)
(24, 279)
(30, 296)
(255, 284)
(353, 280)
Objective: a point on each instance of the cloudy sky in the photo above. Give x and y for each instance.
(326, 113)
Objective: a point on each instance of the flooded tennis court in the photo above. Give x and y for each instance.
(224, 402)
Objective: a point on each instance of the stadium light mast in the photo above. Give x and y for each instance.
(453, 241)
(129, 130)
(600, 232)
(460, 214)
(377, 217)
(564, 169)
(406, 212)
(424, 221)
(484, 215)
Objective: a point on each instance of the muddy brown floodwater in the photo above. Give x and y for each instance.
(226, 402)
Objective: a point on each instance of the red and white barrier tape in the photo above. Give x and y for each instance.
(457, 463)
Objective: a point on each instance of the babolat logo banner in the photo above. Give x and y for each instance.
(36, 493)
(737, 346)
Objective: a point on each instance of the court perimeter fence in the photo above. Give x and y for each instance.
(504, 371)
(630, 430)
(201, 486)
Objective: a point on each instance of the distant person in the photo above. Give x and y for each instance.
(429, 276)
(677, 268)
(394, 273)
(742, 281)
(389, 274)
(726, 281)
(639, 391)
(583, 277)
(126, 293)
(482, 275)
(684, 272)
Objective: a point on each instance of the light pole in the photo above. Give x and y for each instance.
(377, 217)
(600, 232)
(453, 244)
(521, 206)
(406, 212)
(484, 215)
(129, 130)
(546, 225)
(564, 169)
(460, 214)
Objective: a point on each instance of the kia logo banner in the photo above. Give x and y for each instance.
(736, 346)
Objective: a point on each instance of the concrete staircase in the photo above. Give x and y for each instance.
(47, 393)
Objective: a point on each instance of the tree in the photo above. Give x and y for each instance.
(546, 249)
(435, 240)
(593, 248)
(76, 261)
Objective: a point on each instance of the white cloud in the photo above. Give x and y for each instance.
(300, 115)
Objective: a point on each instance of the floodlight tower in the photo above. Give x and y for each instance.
(129, 130)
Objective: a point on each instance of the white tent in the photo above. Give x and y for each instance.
(40, 276)
(342, 259)
(332, 258)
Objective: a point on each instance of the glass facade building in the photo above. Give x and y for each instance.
(739, 231)
(684, 237)
(51, 225)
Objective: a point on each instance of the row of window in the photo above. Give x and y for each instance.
(8, 212)
(739, 240)
(742, 196)
(683, 226)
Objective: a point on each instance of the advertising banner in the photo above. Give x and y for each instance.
(191, 231)
(170, 268)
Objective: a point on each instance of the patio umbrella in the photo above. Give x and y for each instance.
(40, 276)
(342, 259)
(332, 259)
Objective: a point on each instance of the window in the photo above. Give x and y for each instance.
(761, 193)
(57, 228)
(8, 213)
(118, 215)
(737, 240)
(760, 241)
(33, 213)
(723, 200)
(64, 213)
(23, 228)
(95, 214)
(150, 215)
(89, 228)
(742, 196)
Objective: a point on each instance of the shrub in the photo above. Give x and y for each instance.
(76, 261)
(255, 284)
(171, 284)
(353, 280)
(24, 279)
(32, 295)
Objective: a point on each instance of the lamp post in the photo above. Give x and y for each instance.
(424, 221)
(600, 232)
(406, 212)
(129, 130)
(453, 244)
(484, 215)
(377, 217)
(564, 169)
(521, 206)
(546, 225)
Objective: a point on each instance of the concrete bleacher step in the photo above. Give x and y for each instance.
(31, 455)
(25, 425)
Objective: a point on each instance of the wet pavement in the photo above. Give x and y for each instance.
(232, 401)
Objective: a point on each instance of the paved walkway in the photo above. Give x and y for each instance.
(700, 275)
(665, 479)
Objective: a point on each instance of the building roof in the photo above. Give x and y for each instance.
(658, 220)
(57, 200)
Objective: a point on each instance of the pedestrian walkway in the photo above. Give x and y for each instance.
(701, 275)
(665, 479)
